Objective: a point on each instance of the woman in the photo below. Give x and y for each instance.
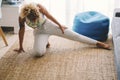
(45, 25)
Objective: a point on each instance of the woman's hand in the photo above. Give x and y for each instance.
(63, 28)
(20, 50)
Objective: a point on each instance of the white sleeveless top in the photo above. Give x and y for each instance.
(38, 24)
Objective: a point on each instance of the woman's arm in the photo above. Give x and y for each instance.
(49, 16)
(21, 35)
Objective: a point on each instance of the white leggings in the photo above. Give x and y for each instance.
(49, 28)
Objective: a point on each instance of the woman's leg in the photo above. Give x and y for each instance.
(40, 43)
(52, 29)
(78, 37)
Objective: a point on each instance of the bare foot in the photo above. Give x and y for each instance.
(103, 45)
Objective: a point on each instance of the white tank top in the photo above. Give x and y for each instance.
(38, 23)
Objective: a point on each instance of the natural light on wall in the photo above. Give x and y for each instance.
(65, 10)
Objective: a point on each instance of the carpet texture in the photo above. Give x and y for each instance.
(64, 60)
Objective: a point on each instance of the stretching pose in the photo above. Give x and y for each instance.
(45, 25)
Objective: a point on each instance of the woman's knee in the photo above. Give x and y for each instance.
(39, 52)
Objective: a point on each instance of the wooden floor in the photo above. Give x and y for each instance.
(11, 39)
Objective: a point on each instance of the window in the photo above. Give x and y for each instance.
(65, 10)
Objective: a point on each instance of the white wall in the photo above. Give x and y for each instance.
(0, 8)
(58, 10)
(117, 3)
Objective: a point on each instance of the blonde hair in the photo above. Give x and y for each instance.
(27, 8)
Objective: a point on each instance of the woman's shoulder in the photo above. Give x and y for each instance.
(21, 19)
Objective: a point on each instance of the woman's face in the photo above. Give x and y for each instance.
(33, 15)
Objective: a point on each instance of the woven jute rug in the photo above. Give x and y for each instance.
(64, 60)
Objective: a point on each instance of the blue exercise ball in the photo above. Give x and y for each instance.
(92, 24)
